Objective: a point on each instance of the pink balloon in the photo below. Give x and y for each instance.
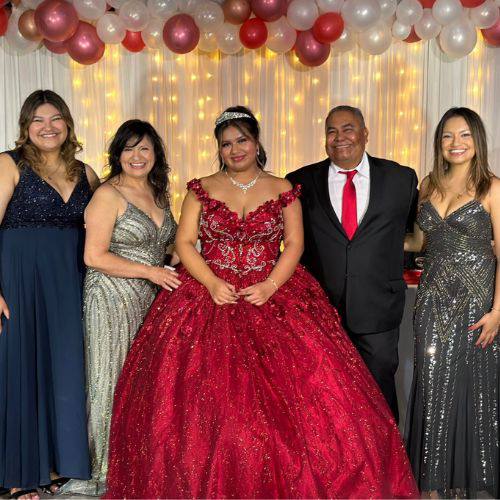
(269, 10)
(180, 34)
(56, 20)
(56, 47)
(85, 46)
(309, 51)
(492, 35)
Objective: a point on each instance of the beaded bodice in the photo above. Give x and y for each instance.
(241, 250)
(35, 203)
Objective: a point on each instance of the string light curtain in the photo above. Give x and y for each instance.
(402, 93)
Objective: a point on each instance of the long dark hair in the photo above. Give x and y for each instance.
(29, 154)
(248, 126)
(479, 172)
(136, 130)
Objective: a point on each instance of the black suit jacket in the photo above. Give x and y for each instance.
(365, 275)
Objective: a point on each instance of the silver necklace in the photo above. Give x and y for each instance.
(240, 185)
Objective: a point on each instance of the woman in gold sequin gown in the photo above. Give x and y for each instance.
(452, 425)
(129, 225)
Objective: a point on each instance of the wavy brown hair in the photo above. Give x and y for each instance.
(135, 130)
(480, 174)
(29, 154)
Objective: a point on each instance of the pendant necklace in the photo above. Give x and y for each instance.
(240, 185)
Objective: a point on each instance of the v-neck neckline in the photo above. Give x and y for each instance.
(55, 190)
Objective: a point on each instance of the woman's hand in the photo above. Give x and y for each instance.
(259, 293)
(222, 292)
(4, 310)
(489, 323)
(164, 277)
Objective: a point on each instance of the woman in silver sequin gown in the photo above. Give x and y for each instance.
(451, 430)
(129, 226)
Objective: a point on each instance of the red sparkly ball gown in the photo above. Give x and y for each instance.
(244, 401)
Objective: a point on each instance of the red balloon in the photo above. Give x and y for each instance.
(56, 20)
(253, 33)
(133, 41)
(269, 10)
(412, 37)
(309, 51)
(56, 47)
(328, 27)
(85, 46)
(492, 35)
(427, 4)
(180, 34)
(4, 21)
(470, 4)
(3, 3)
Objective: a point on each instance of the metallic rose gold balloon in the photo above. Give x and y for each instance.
(180, 34)
(236, 11)
(492, 35)
(269, 10)
(27, 26)
(309, 51)
(56, 47)
(56, 20)
(85, 46)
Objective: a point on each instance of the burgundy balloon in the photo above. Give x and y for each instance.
(412, 37)
(253, 33)
(309, 51)
(236, 11)
(470, 4)
(85, 46)
(56, 20)
(269, 10)
(133, 41)
(427, 4)
(4, 21)
(328, 27)
(492, 35)
(56, 47)
(180, 34)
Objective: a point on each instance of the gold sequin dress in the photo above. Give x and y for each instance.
(114, 309)
(452, 424)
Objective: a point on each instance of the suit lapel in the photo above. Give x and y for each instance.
(321, 184)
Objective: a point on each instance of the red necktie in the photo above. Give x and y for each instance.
(349, 208)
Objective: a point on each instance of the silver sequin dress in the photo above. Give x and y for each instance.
(114, 309)
(453, 415)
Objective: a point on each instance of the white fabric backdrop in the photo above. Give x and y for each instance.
(403, 93)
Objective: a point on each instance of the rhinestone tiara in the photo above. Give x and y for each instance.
(230, 115)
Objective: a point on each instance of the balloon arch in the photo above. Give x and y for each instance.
(309, 28)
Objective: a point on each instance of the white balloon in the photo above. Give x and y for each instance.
(110, 28)
(409, 11)
(301, 14)
(447, 11)
(209, 16)
(400, 31)
(152, 34)
(345, 42)
(162, 8)
(116, 4)
(134, 14)
(361, 15)
(387, 8)
(375, 40)
(427, 28)
(31, 4)
(189, 6)
(485, 15)
(16, 41)
(228, 38)
(90, 9)
(208, 42)
(281, 36)
(459, 38)
(331, 5)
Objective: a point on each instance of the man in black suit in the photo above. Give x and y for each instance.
(356, 211)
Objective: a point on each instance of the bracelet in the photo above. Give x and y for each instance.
(273, 282)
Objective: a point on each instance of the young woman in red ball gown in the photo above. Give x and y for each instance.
(241, 382)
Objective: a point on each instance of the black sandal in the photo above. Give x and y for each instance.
(58, 483)
(20, 493)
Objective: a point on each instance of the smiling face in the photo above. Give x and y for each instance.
(138, 158)
(345, 139)
(238, 151)
(457, 144)
(47, 130)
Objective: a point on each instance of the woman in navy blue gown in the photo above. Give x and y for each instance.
(43, 193)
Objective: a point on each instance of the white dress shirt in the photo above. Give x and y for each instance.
(337, 180)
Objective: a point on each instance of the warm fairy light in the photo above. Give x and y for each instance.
(201, 115)
(297, 99)
(193, 77)
(377, 76)
(154, 79)
(315, 81)
(77, 83)
(156, 98)
(201, 102)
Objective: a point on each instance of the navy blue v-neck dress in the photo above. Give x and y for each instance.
(42, 388)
